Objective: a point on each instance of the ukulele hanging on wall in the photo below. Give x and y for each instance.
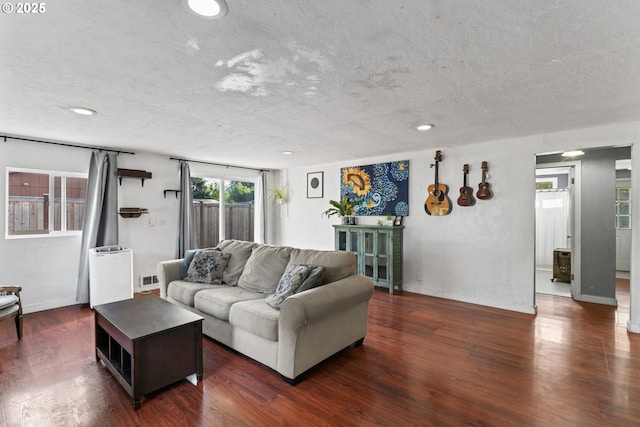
(466, 193)
(484, 188)
(437, 203)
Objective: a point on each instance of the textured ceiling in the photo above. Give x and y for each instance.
(329, 80)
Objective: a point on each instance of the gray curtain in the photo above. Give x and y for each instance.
(187, 238)
(261, 208)
(100, 216)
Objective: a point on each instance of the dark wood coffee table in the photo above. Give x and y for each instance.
(148, 343)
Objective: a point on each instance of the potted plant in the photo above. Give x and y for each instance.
(342, 208)
(278, 195)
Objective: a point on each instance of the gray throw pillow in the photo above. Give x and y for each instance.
(186, 261)
(207, 267)
(313, 279)
(292, 278)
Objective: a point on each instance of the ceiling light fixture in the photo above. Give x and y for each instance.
(425, 127)
(287, 153)
(574, 153)
(83, 111)
(210, 9)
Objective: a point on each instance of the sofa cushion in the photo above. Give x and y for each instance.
(184, 292)
(264, 268)
(337, 264)
(314, 278)
(256, 317)
(291, 279)
(207, 266)
(217, 302)
(240, 252)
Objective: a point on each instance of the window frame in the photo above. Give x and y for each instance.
(221, 180)
(51, 232)
(618, 202)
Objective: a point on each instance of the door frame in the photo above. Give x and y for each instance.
(575, 191)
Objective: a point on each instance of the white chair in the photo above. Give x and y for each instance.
(11, 306)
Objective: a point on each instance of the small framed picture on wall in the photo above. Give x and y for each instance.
(398, 221)
(315, 185)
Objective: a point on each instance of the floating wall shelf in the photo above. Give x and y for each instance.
(171, 191)
(133, 173)
(132, 212)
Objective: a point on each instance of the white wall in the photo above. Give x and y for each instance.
(482, 254)
(153, 236)
(47, 267)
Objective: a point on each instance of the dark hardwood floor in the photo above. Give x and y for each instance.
(425, 361)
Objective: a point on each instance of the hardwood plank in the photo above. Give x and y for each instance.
(425, 361)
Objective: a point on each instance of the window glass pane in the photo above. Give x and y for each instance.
(57, 197)
(239, 210)
(623, 194)
(206, 205)
(28, 203)
(623, 208)
(623, 222)
(76, 199)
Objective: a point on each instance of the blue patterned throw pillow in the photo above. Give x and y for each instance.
(291, 279)
(207, 267)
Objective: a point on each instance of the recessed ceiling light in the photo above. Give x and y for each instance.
(574, 153)
(287, 153)
(210, 9)
(425, 127)
(83, 111)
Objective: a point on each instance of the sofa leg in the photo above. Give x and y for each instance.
(293, 381)
(358, 343)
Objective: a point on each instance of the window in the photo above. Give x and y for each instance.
(44, 203)
(219, 215)
(623, 208)
(546, 183)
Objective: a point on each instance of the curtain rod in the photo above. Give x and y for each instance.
(220, 164)
(86, 147)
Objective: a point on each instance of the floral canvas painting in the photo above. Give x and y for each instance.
(377, 190)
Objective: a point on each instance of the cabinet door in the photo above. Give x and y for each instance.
(368, 252)
(341, 240)
(382, 256)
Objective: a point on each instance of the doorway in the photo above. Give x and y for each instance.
(593, 238)
(555, 225)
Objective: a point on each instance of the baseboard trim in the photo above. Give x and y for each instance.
(596, 300)
(33, 308)
(633, 327)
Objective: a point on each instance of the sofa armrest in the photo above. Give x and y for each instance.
(317, 323)
(168, 271)
(315, 304)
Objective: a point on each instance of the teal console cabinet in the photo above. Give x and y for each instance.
(378, 251)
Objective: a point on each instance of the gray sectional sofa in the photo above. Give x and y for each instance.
(308, 327)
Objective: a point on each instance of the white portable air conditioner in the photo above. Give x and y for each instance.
(110, 274)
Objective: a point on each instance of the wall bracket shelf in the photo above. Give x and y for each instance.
(133, 173)
(171, 191)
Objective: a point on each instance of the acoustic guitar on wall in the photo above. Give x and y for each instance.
(484, 188)
(437, 203)
(466, 193)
